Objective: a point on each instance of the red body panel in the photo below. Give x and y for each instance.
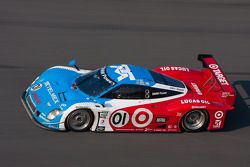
(208, 89)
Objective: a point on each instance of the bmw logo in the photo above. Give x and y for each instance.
(36, 87)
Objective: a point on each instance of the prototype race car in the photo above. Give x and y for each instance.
(129, 98)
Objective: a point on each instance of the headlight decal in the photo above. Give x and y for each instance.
(52, 115)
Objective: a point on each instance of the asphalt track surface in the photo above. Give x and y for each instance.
(35, 35)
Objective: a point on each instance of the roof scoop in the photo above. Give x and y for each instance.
(72, 63)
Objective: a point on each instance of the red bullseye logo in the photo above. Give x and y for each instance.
(213, 66)
(218, 114)
(142, 117)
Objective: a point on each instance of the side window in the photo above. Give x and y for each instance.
(138, 92)
(128, 92)
(165, 80)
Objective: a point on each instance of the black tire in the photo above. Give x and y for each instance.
(195, 121)
(80, 120)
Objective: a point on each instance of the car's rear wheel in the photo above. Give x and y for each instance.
(195, 120)
(80, 120)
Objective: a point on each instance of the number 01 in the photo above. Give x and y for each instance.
(120, 118)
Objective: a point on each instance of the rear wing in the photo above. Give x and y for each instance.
(228, 92)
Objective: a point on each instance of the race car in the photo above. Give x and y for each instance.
(130, 98)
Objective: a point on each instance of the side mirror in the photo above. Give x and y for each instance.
(72, 63)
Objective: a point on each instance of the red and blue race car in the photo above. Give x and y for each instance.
(129, 98)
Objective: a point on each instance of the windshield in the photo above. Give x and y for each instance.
(94, 83)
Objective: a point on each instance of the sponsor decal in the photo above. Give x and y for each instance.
(172, 126)
(178, 114)
(142, 117)
(192, 101)
(125, 130)
(51, 92)
(199, 107)
(103, 114)
(148, 130)
(100, 128)
(177, 89)
(38, 101)
(174, 68)
(217, 124)
(120, 118)
(124, 72)
(159, 93)
(225, 94)
(62, 106)
(218, 115)
(218, 73)
(160, 130)
(160, 120)
(196, 88)
(213, 66)
(52, 126)
(101, 122)
(36, 87)
(104, 75)
(142, 82)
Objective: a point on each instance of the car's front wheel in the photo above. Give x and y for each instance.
(195, 120)
(80, 120)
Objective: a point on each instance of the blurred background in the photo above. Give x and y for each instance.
(35, 35)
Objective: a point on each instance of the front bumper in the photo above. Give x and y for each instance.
(29, 112)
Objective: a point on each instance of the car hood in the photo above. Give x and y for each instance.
(54, 90)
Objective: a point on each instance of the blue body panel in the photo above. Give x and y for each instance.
(140, 74)
(56, 90)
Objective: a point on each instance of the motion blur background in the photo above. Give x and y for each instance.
(35, 35)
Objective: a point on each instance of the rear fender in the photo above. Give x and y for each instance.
(177, 109)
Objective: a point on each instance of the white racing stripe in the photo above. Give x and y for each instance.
(172, 88)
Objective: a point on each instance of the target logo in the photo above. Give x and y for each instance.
(213, 66)
(142, 117)
(218, 115)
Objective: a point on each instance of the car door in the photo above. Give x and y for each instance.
(131, 108)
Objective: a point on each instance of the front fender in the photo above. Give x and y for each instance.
(94, 107)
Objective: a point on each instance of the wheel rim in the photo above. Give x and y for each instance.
(194, 120)
(79, 120)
